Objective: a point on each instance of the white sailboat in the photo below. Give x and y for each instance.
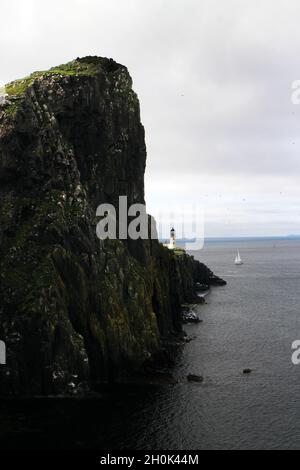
(238, 260)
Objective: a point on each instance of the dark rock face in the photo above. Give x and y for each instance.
(74, 309)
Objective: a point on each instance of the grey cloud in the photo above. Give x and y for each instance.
(214, 84)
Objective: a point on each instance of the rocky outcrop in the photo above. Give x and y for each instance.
(74, 310)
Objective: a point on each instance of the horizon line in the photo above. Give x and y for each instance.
(235, 237)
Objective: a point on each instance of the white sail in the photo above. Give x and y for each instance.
(238, 259)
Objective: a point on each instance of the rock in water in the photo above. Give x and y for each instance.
(195, 378)
(189, 316)
(74, 310)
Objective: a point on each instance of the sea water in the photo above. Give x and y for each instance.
(250, 323)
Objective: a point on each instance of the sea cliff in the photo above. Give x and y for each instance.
(74, 310)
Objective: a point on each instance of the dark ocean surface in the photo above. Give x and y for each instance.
(250, 323)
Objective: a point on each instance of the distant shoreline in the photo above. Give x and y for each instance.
(211, 239)
(180, 242)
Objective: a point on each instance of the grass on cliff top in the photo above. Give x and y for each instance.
(178, 251)
(87, 66)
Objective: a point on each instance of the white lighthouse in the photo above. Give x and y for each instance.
(172, 244)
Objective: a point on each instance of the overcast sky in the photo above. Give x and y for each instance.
(214, 81)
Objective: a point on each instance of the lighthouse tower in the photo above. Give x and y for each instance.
(172, 243)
